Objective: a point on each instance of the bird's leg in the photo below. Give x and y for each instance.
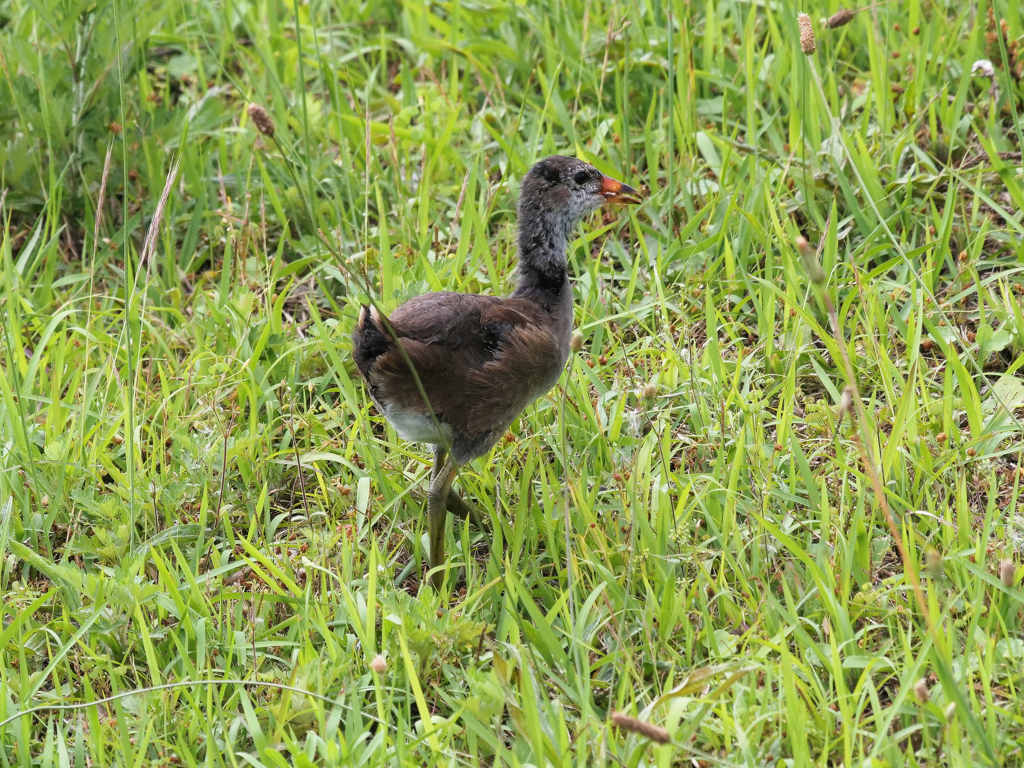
(455, 504)
(463, 509)
(437, 514)
(439, 456)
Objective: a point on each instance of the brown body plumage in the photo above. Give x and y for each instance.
(480, 359)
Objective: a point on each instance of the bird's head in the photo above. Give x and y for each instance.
(568, 188)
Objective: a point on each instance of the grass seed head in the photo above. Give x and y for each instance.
(840, 19)
(846, 401)
(921, 692)
(262, 120)
(810, 260)
(379, 665)
(1006, 572)
(634, 725)
(650, 391)
(807, 44)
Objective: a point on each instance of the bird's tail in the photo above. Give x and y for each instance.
(370, 338)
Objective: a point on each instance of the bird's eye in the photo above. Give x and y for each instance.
(581, 177)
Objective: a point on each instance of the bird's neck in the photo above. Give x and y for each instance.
(543, 271)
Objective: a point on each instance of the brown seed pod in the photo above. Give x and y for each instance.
(921, 692)
(261, 119)
(840, 19)
(1006, 572)
(807, 43)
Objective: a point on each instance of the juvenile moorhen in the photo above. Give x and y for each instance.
(480, 360)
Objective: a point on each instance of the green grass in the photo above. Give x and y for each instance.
(196, 493)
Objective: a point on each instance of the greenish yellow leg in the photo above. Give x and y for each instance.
(437, 512)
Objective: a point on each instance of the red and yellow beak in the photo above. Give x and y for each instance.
(616, 192)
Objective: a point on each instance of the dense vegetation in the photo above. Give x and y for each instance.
(774, 506)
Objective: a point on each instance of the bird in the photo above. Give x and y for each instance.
(454, 370)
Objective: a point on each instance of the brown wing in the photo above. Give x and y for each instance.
(450, 323)
(527, 365)
(459, 320)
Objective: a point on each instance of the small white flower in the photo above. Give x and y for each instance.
(983, 68)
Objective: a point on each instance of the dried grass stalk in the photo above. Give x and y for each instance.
(101, 201)
(653, 732)
(154, 226)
